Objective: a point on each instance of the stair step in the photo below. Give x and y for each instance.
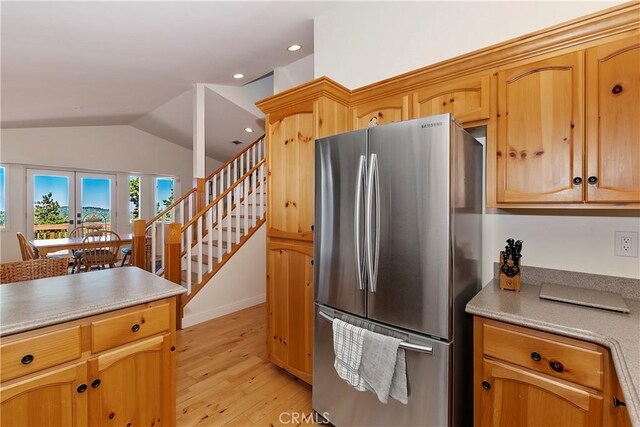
(194, 277)
(205, 259)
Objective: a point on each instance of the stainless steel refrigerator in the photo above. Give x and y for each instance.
(397, 249)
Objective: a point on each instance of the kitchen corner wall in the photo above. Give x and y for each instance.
(359, 43)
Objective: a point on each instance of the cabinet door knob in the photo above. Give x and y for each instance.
(81, 388)
(617, 402)
(616, 90)
(577, 180)
(592, 179)
(27, 359)
(95, 383)
(486, 385)
(535, 356)
(135, 328)
(556, 366)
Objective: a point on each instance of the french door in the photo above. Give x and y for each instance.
(58, 201)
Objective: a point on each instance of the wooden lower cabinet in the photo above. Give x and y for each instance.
(545, 388)
(49, 399)
(513, 396)
(290, 306)
(130, 384)
(117, 399)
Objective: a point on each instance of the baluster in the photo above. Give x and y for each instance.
(259, 151)
(199, 240)
(153, 247)
(262, 188)
(189, 233)
(219, 215)
(163, 225)
(236, 174)
(210, 240)
(236, 192)
(192, 207)
(245, 203)
(182, 221)
(229, 231)
(221, 181)
(253, 199)
(213, 197)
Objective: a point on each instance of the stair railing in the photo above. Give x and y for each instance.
(226, 220)
(183, 209)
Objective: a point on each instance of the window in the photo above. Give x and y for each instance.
(164, 194)
(134, 198)
(3, 196)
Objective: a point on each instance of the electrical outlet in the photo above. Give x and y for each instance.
(626, 243)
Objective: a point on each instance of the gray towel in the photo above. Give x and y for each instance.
(347, 346)
(383, 368)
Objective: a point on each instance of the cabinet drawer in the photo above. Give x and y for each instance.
(36, 353)
(544, 354)
(129, 327)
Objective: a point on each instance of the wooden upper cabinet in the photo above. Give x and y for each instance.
(290, 306)
(290, 154)
(513, 396)
(613, 122)
(540, 131)
(466, 98)
(388, 110)
(51, 399)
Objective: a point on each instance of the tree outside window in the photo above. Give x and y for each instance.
(134, 198)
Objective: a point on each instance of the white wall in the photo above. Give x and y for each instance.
(239, 284)
(358, 43)
(122, 150)
(294, 74)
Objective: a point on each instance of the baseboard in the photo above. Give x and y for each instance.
(199, 317)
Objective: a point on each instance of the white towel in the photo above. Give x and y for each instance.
(347, 346)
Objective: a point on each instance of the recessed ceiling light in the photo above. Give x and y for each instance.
(248, 130)
(294, 47)
(238, 76)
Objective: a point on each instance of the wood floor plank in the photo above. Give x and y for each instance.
(224, 377)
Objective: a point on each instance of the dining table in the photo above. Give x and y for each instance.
(47, 246)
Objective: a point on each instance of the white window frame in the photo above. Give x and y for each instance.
(7, 222)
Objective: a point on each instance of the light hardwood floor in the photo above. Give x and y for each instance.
(224, 377)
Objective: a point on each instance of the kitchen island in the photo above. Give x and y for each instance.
(97, 347)
(567, 334)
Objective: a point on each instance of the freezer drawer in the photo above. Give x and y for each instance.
(427, 374)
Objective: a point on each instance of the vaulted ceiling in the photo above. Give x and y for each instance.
(112, 63)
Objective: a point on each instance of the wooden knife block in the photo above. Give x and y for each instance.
(510, 283)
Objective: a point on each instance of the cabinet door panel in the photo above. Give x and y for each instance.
(383, 111)
(540, 141)
(613, 112)
(290, 305)
(290, 174)
(134, 385)
(46, 400)
(518, 397)
(466, 98)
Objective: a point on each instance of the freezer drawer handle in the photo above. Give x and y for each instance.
(404, 345)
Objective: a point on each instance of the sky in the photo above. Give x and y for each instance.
(163, 189)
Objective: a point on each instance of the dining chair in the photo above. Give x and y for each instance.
(78, 232)
(27, 250)
(21, 271)
(100, 248)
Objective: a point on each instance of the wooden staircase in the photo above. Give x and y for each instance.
(193, 238)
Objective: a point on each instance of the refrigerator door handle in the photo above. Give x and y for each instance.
(377, 219)
(368, 222)
(356, 220)
(405, 345)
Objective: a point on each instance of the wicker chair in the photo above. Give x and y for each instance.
(27, 250)
(33, 269)
(100, 248)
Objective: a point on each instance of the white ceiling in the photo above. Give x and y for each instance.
(106, 63)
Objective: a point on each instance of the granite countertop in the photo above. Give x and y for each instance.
(620, 332)
(37, 303)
